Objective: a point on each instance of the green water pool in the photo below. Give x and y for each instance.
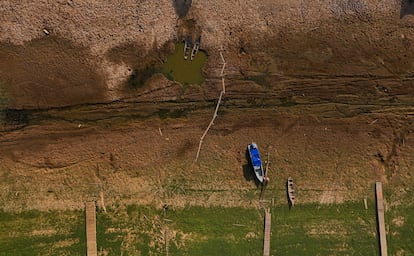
(184, 71)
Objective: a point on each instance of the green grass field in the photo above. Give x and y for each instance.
(345, 229)
(42, 233)
(311, 229)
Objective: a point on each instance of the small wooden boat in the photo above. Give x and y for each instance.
(291, 191)
(187, 46)
(256, 161)
(195, 48)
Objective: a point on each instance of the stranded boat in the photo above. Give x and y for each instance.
(291, 191)
(256, 161)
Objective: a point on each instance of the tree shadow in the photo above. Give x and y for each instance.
(182, 7)
(407, 8)
(248, 172)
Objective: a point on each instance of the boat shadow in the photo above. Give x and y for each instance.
(248, 172)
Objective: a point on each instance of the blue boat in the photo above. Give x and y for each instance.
(256, 161)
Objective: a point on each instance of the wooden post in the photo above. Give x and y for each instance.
(266, 243)
(91, 246)
(267, 163)
(166, 237)
(381, 219)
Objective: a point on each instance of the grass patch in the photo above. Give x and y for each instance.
(107, 238)
(313, 229)
(219, 231)
(42, 233)
(400, 237)
(130, 230)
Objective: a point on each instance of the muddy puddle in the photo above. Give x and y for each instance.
(182, 70)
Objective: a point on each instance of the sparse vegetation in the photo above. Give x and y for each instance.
(4, 100)
(139, 76)
(262, 79)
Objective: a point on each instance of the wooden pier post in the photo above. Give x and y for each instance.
(91, 246)
(381, 219)
(268, 222)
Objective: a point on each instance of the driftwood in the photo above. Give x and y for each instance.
(223, 91)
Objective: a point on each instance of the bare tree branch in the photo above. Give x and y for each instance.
(223, 91)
